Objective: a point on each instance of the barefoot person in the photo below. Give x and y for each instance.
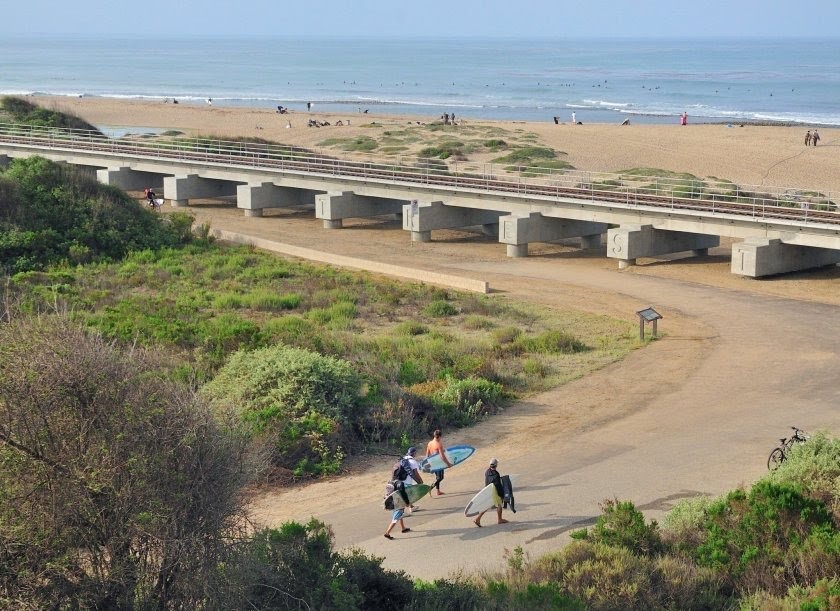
(491, 476)
(436, 447)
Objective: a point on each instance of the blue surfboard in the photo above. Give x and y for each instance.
(456, 454)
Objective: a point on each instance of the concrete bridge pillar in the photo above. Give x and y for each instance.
(421, 218)
(757, 257)
(5, 160)
(629, 242)
(334, 207)
(180, 189)
(254, 198)
(129, 180)
(517, 231)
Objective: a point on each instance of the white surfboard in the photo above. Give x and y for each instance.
(486, 499)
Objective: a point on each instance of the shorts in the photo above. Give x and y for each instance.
(398, 514)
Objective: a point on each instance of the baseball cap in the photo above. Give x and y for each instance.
(493, 462)
(412, 451)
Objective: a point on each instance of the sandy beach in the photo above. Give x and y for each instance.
(763, 155)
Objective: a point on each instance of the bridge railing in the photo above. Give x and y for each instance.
(633, 188)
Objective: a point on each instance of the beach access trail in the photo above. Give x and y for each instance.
(696, 412)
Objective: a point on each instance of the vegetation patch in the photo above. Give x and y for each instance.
(22, 111)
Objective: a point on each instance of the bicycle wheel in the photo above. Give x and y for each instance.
(776, 458)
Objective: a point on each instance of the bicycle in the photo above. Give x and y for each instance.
(779, 454)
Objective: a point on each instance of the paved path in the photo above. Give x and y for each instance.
(694, 413)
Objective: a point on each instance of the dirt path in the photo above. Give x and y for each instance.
(694, 413)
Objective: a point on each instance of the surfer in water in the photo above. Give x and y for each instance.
(491, 476)
(436, 447)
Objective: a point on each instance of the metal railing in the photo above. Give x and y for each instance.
(634, 188)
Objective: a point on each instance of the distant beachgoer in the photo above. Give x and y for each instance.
(815, 137)
(309, 106)
(452, 118)
(684, 119)
(174, 101)
(209, 101)
(556, 120)
(808, 137)
(574, 118)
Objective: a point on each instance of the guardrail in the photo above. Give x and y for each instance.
(629, 189)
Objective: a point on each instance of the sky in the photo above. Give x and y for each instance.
(146, 19)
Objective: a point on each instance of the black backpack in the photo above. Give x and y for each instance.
(402, 470)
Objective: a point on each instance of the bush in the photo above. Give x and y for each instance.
(54, 213)
(23, 111)
(440, 308)
(756, 539)
(101, 461)
(622, 525)
(446, 595)
(552, 342)
(462, 402)
(379, 589)
(303, 401)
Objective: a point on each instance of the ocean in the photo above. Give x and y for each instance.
(651, 81)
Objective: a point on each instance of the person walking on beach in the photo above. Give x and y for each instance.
(684, 119)
(436, 447)
(574, 118)
(808, 138)
(491, 476)
(308, 106)
(815, 137)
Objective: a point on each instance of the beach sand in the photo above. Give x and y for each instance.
(750, 155)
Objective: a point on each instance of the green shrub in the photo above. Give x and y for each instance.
(265, 299)
(54, 213)
(461, 402)
(23, 111)
(505, 335)
(411, 328)
(302, 401)
(446, 595)
(552, 342)
(379, 589)
(290, 567)
(815, 468)
(754, 538)
(622, 525)
(440, 308)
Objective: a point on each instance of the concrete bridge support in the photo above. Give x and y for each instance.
(420, 219)
(253, 198)
(5, 160)
(334, 207)
(757, 257)
(629, 242)
(517, 231)
(180, 189)
(129, 180)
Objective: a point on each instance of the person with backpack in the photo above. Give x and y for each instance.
(407, 473)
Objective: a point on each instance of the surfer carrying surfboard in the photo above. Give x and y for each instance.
(491, 476)
(436, 447)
